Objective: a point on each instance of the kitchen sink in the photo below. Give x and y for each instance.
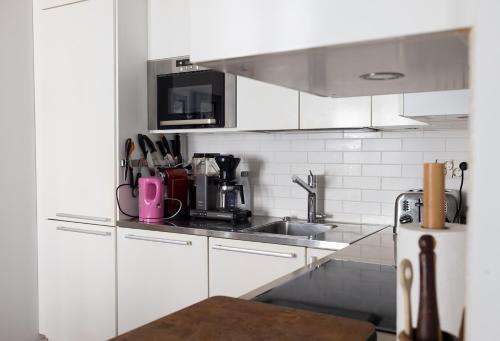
(293, 228)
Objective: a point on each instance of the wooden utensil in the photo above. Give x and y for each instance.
(406, 279)
(428, 328)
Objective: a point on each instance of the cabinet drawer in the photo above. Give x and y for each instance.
(237, 267)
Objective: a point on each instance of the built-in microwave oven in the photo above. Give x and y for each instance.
(183, 96)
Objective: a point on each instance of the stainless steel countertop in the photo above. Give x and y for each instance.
(336, 239)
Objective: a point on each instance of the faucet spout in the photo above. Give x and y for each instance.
(310, 189)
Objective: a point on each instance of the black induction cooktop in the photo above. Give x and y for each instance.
(343, 288)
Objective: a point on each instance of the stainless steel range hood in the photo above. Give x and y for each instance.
(429, 62)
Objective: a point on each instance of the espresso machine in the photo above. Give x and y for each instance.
(230, 201)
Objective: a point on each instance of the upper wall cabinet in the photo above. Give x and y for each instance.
(387, 111)
(168, 28)
(263, 106)
(325, 112)
(222, 29)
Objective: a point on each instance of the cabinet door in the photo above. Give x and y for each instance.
(263, 106)
(158, 274)
(437, 103)
(237, 267)
(387, 111)
(324, 112)
(75, 113)
(76, 281)
(168, 22)
(316, 254)
(49, 4)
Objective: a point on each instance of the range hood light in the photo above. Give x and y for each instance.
(381, 76)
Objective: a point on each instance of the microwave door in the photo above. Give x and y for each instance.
(193, 99)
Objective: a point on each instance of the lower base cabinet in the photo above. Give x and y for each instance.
(238, 267)
(158, 274)
(76, 276)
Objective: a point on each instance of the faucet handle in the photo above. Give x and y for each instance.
(310, 172)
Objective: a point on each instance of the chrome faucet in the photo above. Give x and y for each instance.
(312, 190)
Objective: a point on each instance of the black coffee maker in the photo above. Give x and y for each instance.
(231, 201)
(229, 189)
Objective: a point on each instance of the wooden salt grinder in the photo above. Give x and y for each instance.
(428, 328)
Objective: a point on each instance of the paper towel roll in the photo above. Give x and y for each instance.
(450, 272)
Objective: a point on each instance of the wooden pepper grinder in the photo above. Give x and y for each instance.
(428, 328)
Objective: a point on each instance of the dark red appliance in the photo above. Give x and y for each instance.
(176, 187)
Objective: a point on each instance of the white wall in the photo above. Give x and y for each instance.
(361, 172)
(483, 253)
(18, 274)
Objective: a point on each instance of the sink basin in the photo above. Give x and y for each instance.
(293, 228)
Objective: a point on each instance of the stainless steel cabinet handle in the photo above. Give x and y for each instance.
(255, 252)
(159, 240)
(72, 229)
(82, 217)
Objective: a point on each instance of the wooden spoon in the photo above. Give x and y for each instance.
(405, 279)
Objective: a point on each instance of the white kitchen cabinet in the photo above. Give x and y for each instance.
(314, 254)
(437, 105)
(76, 281)
(168, 28)
(236, 267)
(224, 29)
(263, 106)
(387, 111)
(49, 4)
(75, 112)
(158, 274)
(325, 112)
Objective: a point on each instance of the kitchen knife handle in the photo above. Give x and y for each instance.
(150, 144)
(166, 144)
(142, 145)
(161, 149)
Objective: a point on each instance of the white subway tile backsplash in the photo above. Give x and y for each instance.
(343, 169)
(424, 145)
(343, 145)
(360, 173)
(402, 157)
(361, 207)
(455, 145)
(379, 196)
(362, 157)
(381, 170)
(381, 144)
(401, 183)
(342, 194)
(308, 145)
(362, 182)
(324, 157)
(290, 157)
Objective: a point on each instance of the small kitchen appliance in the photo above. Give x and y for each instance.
(176, 186)
(230, 195)
(409, 207)
(182, 95)
(151, 192)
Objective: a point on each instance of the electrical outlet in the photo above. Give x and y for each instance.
(452, 168)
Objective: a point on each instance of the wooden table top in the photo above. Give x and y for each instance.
(225, 318)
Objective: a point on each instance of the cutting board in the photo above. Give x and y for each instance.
(225, 318)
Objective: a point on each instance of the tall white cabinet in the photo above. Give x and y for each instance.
(90, 67)
(75, 113)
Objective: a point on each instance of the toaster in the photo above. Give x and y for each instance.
(410, 208)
